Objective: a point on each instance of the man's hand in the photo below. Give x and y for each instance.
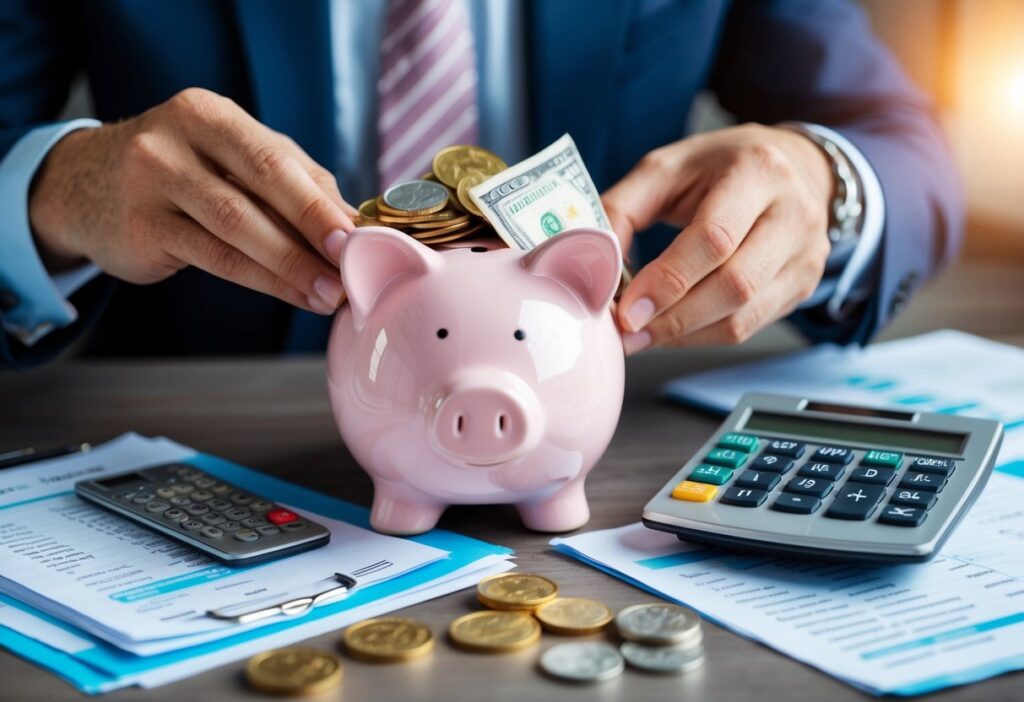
(194, 181)
(752, 202)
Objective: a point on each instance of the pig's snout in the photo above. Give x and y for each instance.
(486, 423)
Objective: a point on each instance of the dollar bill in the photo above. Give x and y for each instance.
(540, 197)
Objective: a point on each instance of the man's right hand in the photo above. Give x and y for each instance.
(194, 181)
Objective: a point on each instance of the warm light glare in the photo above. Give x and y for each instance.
(1016, 90)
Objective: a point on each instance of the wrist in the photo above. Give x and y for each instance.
(812, 164)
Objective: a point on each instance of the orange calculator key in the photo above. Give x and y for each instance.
(694, 492)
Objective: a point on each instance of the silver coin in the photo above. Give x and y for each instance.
(587, 661)
(662, 659)
(660, 624)
(415, 195)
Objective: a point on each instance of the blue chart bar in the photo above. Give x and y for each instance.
(957, 409)
(945, 636)
(677, 559)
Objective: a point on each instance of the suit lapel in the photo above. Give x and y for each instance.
(572, 50)
(288, 48)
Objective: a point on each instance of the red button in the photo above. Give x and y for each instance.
(281, 516)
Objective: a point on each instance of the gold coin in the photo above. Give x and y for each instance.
(368, 208)
(454, 162)
(361, 221)
(435, 219)
(296, 670)
(460, 220)
(418, 233)
(388, 639)
(466, 183)
(494, 632)
(574, 616)
(519, 591)
(443, 239)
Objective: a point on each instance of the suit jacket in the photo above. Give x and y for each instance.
(619, 75)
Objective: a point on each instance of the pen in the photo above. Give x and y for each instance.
(31, 454)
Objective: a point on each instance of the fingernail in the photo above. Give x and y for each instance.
(639, 314)
(635, 342)
(319, 306)
(333, 243)
(329, 289)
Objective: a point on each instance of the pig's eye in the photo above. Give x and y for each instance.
(519, 335)
(442, 333)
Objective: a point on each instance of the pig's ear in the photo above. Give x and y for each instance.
(376, 258)
(587, 261)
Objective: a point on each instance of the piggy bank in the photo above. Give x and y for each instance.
(477, 375)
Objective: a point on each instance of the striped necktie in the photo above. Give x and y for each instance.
(427, 86)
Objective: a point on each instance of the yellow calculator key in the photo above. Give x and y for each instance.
(694, 492)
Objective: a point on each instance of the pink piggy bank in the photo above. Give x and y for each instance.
(477, 375)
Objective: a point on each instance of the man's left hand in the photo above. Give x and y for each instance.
(752, 202)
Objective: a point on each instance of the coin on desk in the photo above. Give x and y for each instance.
(388, 640)
(296, 670)
(516, 591)
(662, 659)
(573, 616)
(659, 624)
(494, 631)
(585, 661)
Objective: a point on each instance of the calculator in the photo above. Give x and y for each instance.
(793, 476)
(218, 518)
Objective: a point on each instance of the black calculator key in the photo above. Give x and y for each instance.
(914, 498)
(856, 501)
(898, 515)
(923, 481)
(874, 476)
(827, 471)
(771, 463)
(939, 466)
(744, 497)
(758, 479)
(833, 454)
(781, 447)
(815, 487)
(796, 504)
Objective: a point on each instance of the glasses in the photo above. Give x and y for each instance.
(290, 608)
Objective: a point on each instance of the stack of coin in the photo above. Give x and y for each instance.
(388, 640)
(661, 638)
(436, 208)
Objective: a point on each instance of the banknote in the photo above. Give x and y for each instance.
(540, 197)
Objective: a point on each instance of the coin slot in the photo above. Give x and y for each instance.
(479, 249)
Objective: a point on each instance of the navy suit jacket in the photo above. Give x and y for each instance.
(619, 75)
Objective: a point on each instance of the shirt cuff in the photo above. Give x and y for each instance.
(870, 239)
(38, 301)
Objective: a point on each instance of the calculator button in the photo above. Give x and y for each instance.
(181, 501)
(196, 510)
(204, 483)
(175, 515)
(184, 488)
(833, 454)
(202, 495)
(212, 532)
(221, 489)
(856, 501)
(939, 466)
(192, 525)
(294, 526)
(874, 476)
(166, 492)
(739, 442)
(158, 506)
(143, 497)
(193, 477)
(237, 513)
(744, 497)
(253, 522)
(268, 530)
(246, 535)
(914, 498)
(828, 471)
(261, 505)
(219, 505)
(923, 481)
(815, 487)
(882, 459)
(183, 471)
(694, 492)
(772, 463)
(230, 526)
(796, 504)
(213, 518)
(725, 457)
(758, 479)
(780, 447)
(713, 475)
(283, 516)
(240, 498)
(902, 516)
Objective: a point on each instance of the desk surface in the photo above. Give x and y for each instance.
(274, 416)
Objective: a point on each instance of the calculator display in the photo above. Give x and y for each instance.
(813, 427)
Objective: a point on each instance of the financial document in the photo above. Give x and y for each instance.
(905, 629)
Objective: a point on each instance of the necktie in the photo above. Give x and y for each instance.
(427, 86)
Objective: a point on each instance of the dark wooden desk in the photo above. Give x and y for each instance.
(274, 416)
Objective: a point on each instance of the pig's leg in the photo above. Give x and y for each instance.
(564, 511)
(396, 511)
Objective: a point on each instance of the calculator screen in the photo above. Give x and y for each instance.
(813, 427)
